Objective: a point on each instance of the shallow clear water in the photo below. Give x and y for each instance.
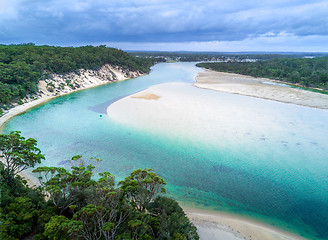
(270, 163)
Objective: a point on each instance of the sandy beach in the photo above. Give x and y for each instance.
(260, 88)
(222, 226)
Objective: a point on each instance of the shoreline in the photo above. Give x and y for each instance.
(233, 227)
(288, 84)
(20, 109)
(263, 88)
(47, 96)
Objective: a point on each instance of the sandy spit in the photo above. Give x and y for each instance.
(260, 88)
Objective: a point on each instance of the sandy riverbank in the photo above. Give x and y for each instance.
(260, 88)
(222, 226)
(68, 83)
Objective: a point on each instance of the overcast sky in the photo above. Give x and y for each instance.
(195, 25)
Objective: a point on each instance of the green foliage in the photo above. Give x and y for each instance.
(22, 66)
(78, 206)
(64, 187)
(18, 153)
(141, 187)
(309, 72)
(22, 209)
(173, 221)
(55, 228)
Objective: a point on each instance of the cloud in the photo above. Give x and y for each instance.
(269, 42)
(92, 21)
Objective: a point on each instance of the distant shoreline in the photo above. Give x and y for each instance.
(257, 87)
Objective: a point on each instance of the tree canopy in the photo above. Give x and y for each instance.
(76, 204)
(142, 186)
(18, 153)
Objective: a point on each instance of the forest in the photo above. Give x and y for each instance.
(22, 66)
(307, 72)
(76, 203)
(220, 56)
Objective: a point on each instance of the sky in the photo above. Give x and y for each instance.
(169, 25)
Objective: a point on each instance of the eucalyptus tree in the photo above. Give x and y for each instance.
(64, 187)
(142, 186)
(18, 153)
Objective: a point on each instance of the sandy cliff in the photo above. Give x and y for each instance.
(56, 85)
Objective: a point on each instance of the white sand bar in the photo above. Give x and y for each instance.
(260, 88)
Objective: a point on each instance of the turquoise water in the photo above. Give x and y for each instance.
(270, 163)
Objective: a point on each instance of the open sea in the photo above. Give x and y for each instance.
(264, 160)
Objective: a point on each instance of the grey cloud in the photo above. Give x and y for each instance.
(71, 21)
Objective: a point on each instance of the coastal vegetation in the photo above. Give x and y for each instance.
(217, 56)
(307, 72)
(75, 204)
(22, 66)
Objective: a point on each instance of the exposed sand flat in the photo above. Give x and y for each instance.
(220, 226)
(260, 88)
